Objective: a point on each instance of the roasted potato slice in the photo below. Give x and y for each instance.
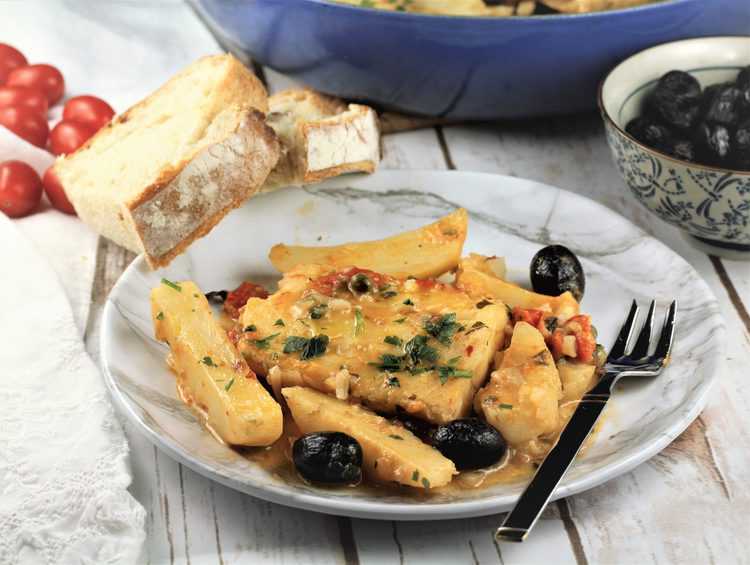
(211, 374)
(390, 451)
(480, 282)
(428, 251)
(521, 398)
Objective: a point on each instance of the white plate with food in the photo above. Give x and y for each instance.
(437, 398)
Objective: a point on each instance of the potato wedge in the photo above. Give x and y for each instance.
(211, 374)
(576, 378)
(521, 398)
(480, 283)
(390, 452)
(428, 251)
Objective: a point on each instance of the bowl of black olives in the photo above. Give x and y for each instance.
(677, 119)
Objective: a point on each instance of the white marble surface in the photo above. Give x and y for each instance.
(657, 513)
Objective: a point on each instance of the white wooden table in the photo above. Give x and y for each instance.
(689, 504)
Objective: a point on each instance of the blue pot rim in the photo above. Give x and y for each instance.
(613, 124)
(549, 18)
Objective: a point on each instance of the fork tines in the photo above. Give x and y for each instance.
(640, 350)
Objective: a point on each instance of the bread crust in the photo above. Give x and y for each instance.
(200, 192)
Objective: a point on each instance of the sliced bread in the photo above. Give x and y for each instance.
(171, 167)
(321, 137)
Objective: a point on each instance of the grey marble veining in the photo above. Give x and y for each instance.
(621, 262)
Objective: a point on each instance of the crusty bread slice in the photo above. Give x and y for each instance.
(167, 170)
(321, 137)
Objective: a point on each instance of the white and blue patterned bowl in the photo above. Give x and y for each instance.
(711, 205)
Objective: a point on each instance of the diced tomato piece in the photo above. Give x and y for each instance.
(528, 315)
(469, 350)
(237, 298)
(555, 344)
(580, 326)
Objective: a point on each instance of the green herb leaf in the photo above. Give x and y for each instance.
(318, 311)
(415, 475)
(409, 302)
(483, 303)
(394, 340)
(265, 343)
(229, 384)
(279, 322)
(393, 382)
(171, 284)
(388, 294)
(425, 482)
(399, 321)
(307, 347)
(359, 322)
(506, 406)
(476, 326)
(417, 351)
(450, 372)
(550, 324)
(442, 328)
(394, 436)
(454, 360)
(160, 316)
(208, 361)
(250, 328)
(390, 363)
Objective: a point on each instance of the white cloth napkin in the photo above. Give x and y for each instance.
(64, 471)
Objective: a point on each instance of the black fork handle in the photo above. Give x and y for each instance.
(521, 519)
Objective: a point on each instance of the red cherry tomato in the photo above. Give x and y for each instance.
(67, 136)
(56, 193)
(25, 123)
(44, 77)
(88, 110)
(23, 96)
(10, 58)
(20, 189)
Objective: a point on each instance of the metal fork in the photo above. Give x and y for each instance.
(620, 363)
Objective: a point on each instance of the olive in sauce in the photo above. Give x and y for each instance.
(328, 457)
(555, 269)
(470, 443)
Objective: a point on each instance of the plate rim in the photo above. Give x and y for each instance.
(356, 508)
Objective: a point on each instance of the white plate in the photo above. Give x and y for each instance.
(510, 217)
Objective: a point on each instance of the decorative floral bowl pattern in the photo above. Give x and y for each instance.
(711, 205)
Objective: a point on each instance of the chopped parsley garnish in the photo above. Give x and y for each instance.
(425, 482)
(208, 361)
(394, 436)
(442, 328)
(450, 372)
(279, 322)
(265, 343)
(318, 311)
(160, 316)
(229, 384)
(359, 322)
(399, 321)
(409, 302)
(415, 475)
(417, 351)
(171, 284)
(388, 294)
(476, 326)
(307, 347)
(250, 328)
(454, 360)
(482, 303)
(390, 363)
(393, 382)
(506, 406)
(393, 340)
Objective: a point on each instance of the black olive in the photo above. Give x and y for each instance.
(742, 146)
(722, 104)
(555, 269)
(682, 149)
(713, 144)
(217, 296)
(469, 443)
(328, 457)
(650, 133)
(675, 100)
(420, 428)
(360, 284)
